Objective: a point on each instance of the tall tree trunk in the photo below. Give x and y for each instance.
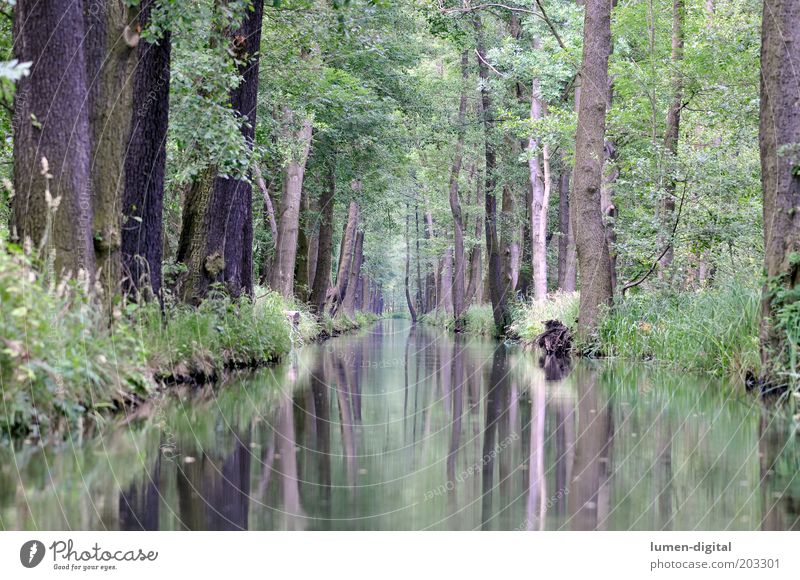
(345, 258)
(420, 304)
(431, 297)
(52, 123)
(322, 274)
(217, 234)
(497, 284)
(411, 309)
(780, 131)
(593, 258)
(475, 284)
(446, 282)
(111, 59)
(301, 287)
(455, 205)
(540, 186)
(567, 267)
(283, 266)
(313, 244)
(610, 175)
(671, 137)
(143, 196)
(349, 301)
(269, 220)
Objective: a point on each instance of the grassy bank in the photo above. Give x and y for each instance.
(63, 359)
(712, 330)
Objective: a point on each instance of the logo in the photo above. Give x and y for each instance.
(31, 553)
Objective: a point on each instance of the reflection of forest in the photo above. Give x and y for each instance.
(408, 428)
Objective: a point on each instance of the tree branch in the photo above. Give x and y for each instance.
(635, 282)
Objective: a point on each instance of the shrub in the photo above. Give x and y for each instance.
(713, 330)
(529, 317)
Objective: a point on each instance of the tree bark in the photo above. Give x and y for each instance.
(217, 234)
(411, 309)
(593, 257)
(475, 284)
(111, 60)
(540, 186)
(52, 122)
(779, 134)
(145, 166)
(349, 301)
(497, 284)
(345, 258)
(671, 137)
(455, 204)
(283, 266)
(322, 273)
(567, 270)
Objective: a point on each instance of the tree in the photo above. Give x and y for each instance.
(145, 162)
(282, 271)
(52, 205)
(779, 136)
(217, 233)
(593, 257)
(112, 36)
(672, 135)
(498, 281)
(455, 204)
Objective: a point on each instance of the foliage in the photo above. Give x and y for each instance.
(712, 329)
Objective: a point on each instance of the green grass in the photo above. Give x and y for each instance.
(477, 320)
(62, 358)
(529, 317)
(714, 330)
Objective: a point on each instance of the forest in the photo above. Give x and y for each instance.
(194, 187)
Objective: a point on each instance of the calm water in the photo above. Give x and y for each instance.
(404, 427)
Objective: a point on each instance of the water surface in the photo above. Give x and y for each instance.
(408, 427)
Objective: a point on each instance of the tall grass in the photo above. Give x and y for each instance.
(61, 358)
(478, 319)
(714, 330)
(529, 317)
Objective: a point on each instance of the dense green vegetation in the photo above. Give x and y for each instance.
(177, 177)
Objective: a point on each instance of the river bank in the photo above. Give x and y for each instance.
(712, 330)
(63, 360)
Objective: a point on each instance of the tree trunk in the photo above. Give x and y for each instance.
(269, 219)
(420, 304)
(217, 234)
(283, 265)
(111, 60)
(322, 274)
(411, 309)
(431, 296)
(671, 136)
(52, 123)
(301, 287)
(349, 301)
(475, 259)
(567, 270)
(455, 205)
(446, 282)
(593, 258)
(780, 132)
(143, 197)
(540, 186)
(497, 284)
(345, 258)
